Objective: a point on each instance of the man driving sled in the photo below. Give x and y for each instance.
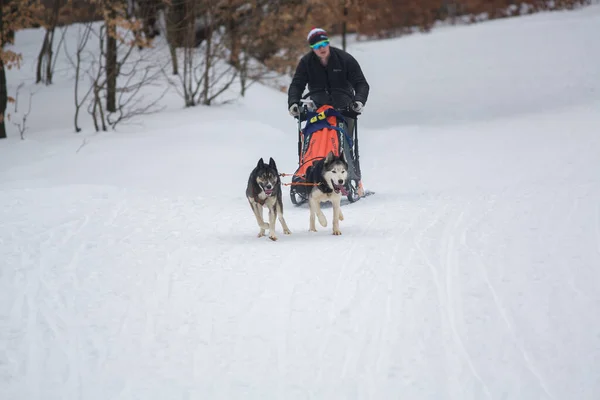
(330, 73)
(325, 68)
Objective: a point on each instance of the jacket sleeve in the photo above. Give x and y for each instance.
(298, 84)
(358, 80)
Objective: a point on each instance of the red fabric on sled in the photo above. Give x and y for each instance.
(321, 143)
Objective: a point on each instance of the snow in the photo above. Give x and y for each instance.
(130, 266)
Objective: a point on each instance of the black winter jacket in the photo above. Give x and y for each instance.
(342, 72)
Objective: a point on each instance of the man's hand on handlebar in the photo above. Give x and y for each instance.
(357, 106)
(294, 110)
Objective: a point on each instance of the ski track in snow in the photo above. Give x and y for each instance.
(317, 318)
(598, 228)
(454, 311)
(448, 267)
(509, 325)
(174, 319)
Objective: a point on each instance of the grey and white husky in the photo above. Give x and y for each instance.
(264, 190)
(329, 175)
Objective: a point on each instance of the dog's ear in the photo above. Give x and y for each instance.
(272, 163)
(329, 157)
(261, 163)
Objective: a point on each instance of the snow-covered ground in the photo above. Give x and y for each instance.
(130, 266)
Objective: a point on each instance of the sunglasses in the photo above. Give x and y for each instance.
(320, 45)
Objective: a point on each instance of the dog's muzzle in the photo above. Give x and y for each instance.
(268, 189)
(339, 187)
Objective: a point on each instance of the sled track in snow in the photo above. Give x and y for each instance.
(498, 303)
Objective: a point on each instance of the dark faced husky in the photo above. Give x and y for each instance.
(329, 176)
(264, 190)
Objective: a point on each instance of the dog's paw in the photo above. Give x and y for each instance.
(273, 237)
(287, 232)
(312, 229)
(322, 219)
(341, 218)
(337, 232)
(261, 234)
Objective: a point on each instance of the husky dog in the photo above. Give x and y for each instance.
(329, 175)
(264, 190)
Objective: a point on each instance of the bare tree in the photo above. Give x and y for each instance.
(206, 72)
(95, 107)
(129, 78)
(14, 15)
(137, 75)
(45, 64)
(110, 22)
(175, 20)
(20, 120)
(3, 99)
(83, 38)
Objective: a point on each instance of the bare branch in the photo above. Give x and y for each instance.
(63, 32)
(84, 142)
(83, 39)
(22, 123)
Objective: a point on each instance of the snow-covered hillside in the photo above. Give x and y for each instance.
(130, 266)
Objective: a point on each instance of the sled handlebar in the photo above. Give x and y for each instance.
(345, 111)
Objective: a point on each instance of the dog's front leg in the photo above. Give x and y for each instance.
(258, 213)
(321, 216)
(337, 212)
(272, 219)
(286, 230)
(313, 204)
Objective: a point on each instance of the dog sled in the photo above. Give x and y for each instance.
(326, 130)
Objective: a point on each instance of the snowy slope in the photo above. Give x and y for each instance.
(130, 267)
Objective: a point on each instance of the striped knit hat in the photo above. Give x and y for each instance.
(317, 35)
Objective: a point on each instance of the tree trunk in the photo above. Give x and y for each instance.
(111, 65)
(174, 63)
(244, 74)
(176, 31)
(234, 38)
(176, 23)
(207, 60)
(3, 99)
(49, 68)
(172, 37)
(3, 88)
(46, 53)
(43, 57)
(344, 25)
